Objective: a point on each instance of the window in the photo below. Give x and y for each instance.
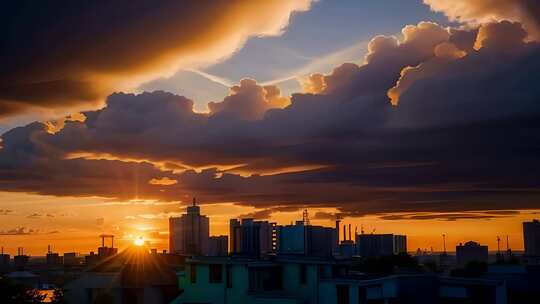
(215, 273)
(228, 270)
(303, 274)
(342, 293)
(193, 273)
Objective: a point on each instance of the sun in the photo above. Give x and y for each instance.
(139, 241)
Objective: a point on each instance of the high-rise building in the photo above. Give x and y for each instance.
(471, 252)
(218, 245)
(531, 238)
(377, 245)
(252, 238)
(305, 240)
(189, 233)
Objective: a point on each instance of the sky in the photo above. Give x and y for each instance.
(415, 117)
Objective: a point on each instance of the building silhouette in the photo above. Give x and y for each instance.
(377, 245)
(302, 239)
(252, 238)
(218, 245)
(531, 238)
(189, 233)
(471, 252)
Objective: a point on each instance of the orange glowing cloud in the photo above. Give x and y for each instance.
(97, 56)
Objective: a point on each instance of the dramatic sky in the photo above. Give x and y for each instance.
(405, 116)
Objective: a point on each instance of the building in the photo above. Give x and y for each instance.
(471, 252)
(104, 252)
(531, 238)
(20, 260)
(307, 280)
(132, 276)
(53, 258)
(189, 234)
(5, 261)
(71, 259)
(377, 245)
(309, 240)
(218, 245)
(252, 238)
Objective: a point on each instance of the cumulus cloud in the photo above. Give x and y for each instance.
(463, 137)
(314, 83)
(409, 75)
(72, 54)
(249, 101)
(477, 12)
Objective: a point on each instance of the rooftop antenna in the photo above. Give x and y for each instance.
(362, 229)
(507, 244)
(194, 201)
(444, 243)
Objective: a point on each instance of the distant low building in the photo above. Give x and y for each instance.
(71, 259)
(471, 252)
(377, 245)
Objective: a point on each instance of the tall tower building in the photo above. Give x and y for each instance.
(252, 238)
(531, 238)
(189, 234)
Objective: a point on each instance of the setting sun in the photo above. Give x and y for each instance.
(139, 241)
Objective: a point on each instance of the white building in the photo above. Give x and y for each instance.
(189, 234)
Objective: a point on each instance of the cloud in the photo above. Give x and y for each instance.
(6, 211)
(71, 55)
(165, 181)
(263, 214)
(249, 101)
(488, 215)
(478, 12)
(462, 138)
(19, 231)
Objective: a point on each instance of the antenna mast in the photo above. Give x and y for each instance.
(444, 243)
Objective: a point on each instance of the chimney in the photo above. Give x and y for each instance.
(344, 232)
(350, 237)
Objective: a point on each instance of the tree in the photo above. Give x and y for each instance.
(15, 293)
(58, 296)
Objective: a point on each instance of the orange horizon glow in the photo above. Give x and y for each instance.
(74, 227)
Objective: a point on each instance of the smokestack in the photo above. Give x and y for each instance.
(337, 233)
(350, 237)
(344, 232)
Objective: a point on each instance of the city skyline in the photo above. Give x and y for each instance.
(360, 226)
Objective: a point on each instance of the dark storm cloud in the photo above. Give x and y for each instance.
(464, 136)
(73, 53)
